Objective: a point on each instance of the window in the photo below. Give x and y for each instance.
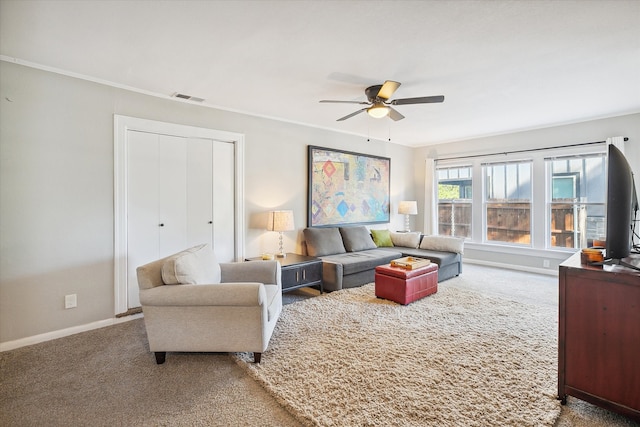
(576, 206)
(508, 202)
(454, 201)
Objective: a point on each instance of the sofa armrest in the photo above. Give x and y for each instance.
(223, 294)
(267, 272)
(332, 275)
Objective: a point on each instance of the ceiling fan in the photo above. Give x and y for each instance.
(379, 104)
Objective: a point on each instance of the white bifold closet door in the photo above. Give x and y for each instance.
(180, 193)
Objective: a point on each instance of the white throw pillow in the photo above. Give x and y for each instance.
(407, 240)
(443, 243)
(193, 266)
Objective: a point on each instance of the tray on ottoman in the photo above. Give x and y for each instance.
(405, 286)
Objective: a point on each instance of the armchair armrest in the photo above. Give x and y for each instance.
(223, 294)
(267, 272)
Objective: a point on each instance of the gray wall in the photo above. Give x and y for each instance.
(56, 189)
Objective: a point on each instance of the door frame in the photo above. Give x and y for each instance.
(121, 126)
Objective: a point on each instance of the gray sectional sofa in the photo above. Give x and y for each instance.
(350, 254)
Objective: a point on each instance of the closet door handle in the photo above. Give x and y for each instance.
(210, 222)
(161, 224)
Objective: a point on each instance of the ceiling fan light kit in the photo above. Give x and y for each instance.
(378, 99)
(378, 111)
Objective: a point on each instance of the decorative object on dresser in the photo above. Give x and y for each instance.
(280, 221)
(299, 271)
(599, 335)
(406, 208)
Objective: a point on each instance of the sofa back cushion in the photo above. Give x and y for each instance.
(357, 238)
(193, 266)
(443, 243)
(323, 241)
(407, 240)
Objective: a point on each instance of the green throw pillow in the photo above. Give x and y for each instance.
(382, 238)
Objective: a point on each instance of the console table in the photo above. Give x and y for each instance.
(599, 335)
(298, 271)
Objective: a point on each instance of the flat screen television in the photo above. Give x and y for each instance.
(622, 209)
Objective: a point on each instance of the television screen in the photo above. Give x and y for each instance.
(621, 206)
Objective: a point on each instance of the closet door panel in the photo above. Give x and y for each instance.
(224, 196)
(143, 238)
(172, 203)
(199, 191)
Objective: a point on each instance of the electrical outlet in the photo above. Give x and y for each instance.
(545, 263)
(70, 301)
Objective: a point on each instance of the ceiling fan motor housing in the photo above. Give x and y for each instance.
(372, 93)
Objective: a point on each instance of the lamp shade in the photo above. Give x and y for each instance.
(408, 207)
(280, 221)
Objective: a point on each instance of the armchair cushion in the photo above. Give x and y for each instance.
(193, 266)
(357, 238)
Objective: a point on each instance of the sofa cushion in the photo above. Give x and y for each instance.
(443, 243)
(355, 262)
(356, 238)
(439, 257)
(323, 241)
(382, 238)
(407, 240)
(193, 266)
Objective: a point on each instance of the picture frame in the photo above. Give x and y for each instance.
(346, 187)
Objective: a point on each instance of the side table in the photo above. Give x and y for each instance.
(298, 271)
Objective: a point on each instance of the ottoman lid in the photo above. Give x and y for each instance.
(403, 272)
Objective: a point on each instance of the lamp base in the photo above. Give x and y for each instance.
(281, 255)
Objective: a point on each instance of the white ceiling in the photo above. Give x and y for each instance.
(503, 66)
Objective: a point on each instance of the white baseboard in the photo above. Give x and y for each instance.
(22, 342)
(545, 271)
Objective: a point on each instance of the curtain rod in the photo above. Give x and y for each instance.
(526, 151)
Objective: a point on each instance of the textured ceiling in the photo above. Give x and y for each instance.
(503, 66)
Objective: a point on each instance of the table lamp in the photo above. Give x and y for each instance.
(408, 207)
(280, 221)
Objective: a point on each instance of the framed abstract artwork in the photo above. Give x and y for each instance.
(347, 188)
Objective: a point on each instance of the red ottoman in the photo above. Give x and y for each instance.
(405, 286)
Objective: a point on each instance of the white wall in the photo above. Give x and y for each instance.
(56, 189)
(591, 131)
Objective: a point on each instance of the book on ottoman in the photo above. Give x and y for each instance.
(405, 286)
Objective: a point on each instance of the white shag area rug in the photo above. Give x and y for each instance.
(455, 358)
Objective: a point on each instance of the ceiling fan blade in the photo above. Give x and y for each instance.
(344, 102)
(387, 89)
(421, 100)
(351, 115)
(395, 115)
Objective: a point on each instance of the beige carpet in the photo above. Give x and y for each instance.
(108, 377)
(454, 358)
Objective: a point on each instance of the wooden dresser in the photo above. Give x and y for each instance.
(599, 335)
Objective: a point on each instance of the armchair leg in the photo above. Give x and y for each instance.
(256, 357)
(160, 357)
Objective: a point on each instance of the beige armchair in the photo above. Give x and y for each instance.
(191, 303)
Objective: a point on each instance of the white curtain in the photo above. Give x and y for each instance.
(430, 202)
